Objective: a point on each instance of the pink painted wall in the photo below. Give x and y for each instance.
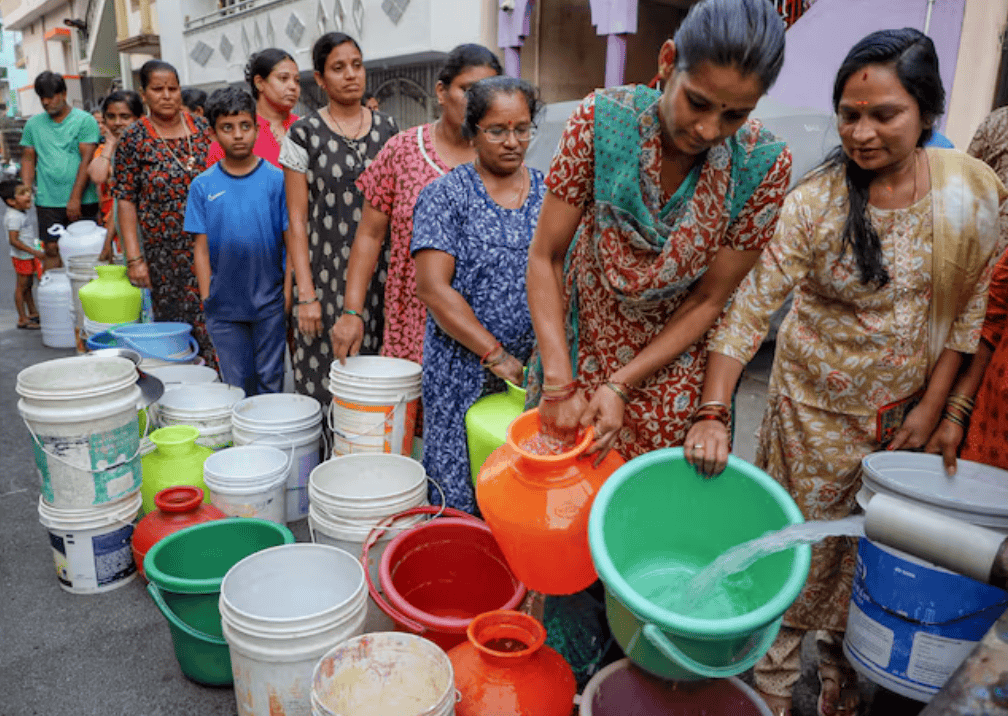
(818, 42)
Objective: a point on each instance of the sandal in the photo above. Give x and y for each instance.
(838, 692)
(29, 326)
(34, 319)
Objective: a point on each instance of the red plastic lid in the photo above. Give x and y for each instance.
(181, 498)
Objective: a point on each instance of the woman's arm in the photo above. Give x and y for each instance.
(138, 272)
(554, 232)
(348, 332)
(435, 270)
(309, 310)
(100, 168)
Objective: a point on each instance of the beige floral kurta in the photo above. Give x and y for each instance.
(844, 351)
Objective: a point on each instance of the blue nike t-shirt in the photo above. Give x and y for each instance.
(244, 218)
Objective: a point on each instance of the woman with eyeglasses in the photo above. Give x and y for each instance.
(471, 233)
(659, 204)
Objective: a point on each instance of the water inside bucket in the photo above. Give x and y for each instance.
(705, 590)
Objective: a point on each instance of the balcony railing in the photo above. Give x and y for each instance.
(230, 11)
(791, 10)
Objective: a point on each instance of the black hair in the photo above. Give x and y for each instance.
(261, 64)
(913, 58)
(194, 98)
(128, 97)
(480, 97)
(465, 56)
(8, 189)
(49, 84)
(324, 46)
(149, 67)
(227, 102)
(745, 34)
(366, 96)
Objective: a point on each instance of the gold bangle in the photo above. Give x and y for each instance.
(616, 388)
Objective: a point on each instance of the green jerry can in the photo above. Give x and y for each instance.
(487, 422)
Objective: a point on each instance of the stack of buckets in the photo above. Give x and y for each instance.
(351, 494)
(292, 423)
(82, 417)
(80, 270)
(206, 407)
(375, 404)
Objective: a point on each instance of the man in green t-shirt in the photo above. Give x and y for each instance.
(58, 146)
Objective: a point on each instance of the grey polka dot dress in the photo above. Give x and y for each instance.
(331, 164)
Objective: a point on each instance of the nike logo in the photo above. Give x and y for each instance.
(211, 197)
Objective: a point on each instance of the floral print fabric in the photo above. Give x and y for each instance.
(843, 351)
(489, 243)
(150, 172)
(331, 164)
(391, 184)
(621, 290)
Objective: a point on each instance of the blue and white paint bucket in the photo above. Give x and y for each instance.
(912, 623)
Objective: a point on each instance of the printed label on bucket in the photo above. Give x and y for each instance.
(113, 556)
(60, 559)
(396, 433)
(914, 622)
(102, 449)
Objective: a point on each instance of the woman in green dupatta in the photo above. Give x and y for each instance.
(889, 248)
(658, 205)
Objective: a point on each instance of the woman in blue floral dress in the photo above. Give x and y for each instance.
(471, 233)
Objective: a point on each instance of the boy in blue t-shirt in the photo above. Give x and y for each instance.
(238, 210)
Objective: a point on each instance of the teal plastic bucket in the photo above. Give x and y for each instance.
(656, 517)
(186, 570)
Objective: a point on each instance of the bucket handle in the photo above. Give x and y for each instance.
(336, 518)
(193, 349)
(350, 436)
(662, 643)
(143, 447)
(376, 534)
(174, 620)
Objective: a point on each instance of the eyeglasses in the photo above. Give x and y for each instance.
(498, 135)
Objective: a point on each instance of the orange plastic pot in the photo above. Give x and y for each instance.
(177, 508)
(537, 507)
(506, 669)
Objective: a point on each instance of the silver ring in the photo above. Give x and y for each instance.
(698, 446)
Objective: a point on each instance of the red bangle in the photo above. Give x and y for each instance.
(710, 416)
(486, 355)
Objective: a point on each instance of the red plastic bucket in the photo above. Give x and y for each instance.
(441, 574)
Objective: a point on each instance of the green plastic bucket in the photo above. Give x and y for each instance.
(186, 570)
(655, 515)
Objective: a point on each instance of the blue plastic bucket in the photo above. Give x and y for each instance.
(166, 341)
(912, 623)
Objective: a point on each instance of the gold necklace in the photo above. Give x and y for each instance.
(516, 195)
(190, 164)
(346, 135)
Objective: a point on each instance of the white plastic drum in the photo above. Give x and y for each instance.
(912, 623)
(284, 420)
(82, 415)
(206, 407)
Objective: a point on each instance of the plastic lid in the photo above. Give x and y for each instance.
(75, 377)
(975, 488)
(375, 368)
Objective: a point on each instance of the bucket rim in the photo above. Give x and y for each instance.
(240, 487)
(309, 409)
(320, 472)
(122, 374)
(202, 585)
(673, 622)
(124, 509)
(375, 368)
(264, 451)
(267, 553)
(178, 398)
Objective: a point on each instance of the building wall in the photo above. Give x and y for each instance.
(972, 93)
(16, 77)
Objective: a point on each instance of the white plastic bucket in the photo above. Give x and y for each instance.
(55, 307)
(206, 407)
(374, 405)
(912, 623)
(248, 481)
(82, 413)
(284, 420)
(175, 374)
(357, 677)
(281, 610)
(92, 547)
(80, 270)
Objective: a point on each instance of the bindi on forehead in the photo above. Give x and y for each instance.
(864, 77)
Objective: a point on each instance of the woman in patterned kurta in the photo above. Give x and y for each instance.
(406, 164)
(658, 206)
(156, 160)
(471, 237)
(871, 330)
(322, 155)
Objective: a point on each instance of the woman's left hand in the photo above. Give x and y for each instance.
(916, 428)
(510, 369)
(945, 442)
(605, 415)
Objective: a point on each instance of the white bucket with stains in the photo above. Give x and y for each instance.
(384, 674)
(281, 610)
(284, 420)
(184, 374)
(248, 481)
(91, 547)
(206, 407)
(82, 416)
